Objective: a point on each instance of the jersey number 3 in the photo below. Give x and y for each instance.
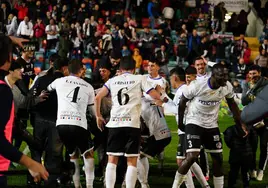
(120, 94)
(74, 94)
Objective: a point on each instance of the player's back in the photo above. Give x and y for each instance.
(126, 92)
(74, 95)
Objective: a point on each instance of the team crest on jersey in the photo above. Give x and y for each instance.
(219, 145)
(216, 138)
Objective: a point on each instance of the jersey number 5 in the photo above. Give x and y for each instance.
(74, 94)
(119, 96)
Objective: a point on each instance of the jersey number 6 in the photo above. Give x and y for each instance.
(119, 96)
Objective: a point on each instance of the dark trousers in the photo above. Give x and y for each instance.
(263, 135)
(3, 181)
(234, 171)
(47, 133)
(51, 43)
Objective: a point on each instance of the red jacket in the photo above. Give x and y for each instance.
(246, 56)
(22, 11)
(39, 30)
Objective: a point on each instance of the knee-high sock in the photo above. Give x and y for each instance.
(76, 175)
(89, 171)
(196, 169)
(110, 175)
(143, 170)
(178, 180)
(218, 181)
(189, 180)
(131, 177)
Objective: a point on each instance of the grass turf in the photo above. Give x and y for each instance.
(156, 180)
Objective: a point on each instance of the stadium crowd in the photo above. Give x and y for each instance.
(111, 68)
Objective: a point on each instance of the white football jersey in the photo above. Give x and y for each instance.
(172, 106)
(205, 102)
(126, 92)
(154, 119)
(204, 76)
(74, 95)
(159, 80)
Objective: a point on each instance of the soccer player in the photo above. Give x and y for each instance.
(124, 125)
(202, 120)
(201, 65)
(74, 97)
(177, 80)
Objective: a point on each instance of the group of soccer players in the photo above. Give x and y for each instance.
(143, 98)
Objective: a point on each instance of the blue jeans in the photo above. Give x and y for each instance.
(152, 22)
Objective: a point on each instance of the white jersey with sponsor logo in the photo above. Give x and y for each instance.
(159, 80)
(205, 102)
(126, 93)
(154, 119)
(204, 76)
(74, 95)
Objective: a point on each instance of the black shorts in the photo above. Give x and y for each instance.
(151, 147)
(197, 136)
(75, 137)
(181, 150)
(124, 141)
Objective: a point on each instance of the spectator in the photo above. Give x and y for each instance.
(233, 24)
(12, 25)
(262, 61)
(125, 51)
(201, 25)
(118, 18)
(182, 51)
(146, 43)
(6, 11)
(52, 31)
(163, 59)
(25, 29)
(64, 26)
(55, 13)
(138, 59)
(39, 30)
(47, 18)
(38, 11)
(237, 87)
(96, 12)
(101, 27)
(82, 13)
(22, 10)
(152, 12)
(243, 21)
(240, 70)
(193, 43)
(245, 53)
(66, 13)
(205, 7)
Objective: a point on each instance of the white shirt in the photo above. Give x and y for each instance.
(74, 95)
(25, 29)
(172, 106)
(52, 28)
(159, 80)
(154, 119)
(204, 76)
(126, 92)
(205, 102)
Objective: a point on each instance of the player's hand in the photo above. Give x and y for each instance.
(100, 122)
(43, 96)
(38, 171)
(245, 129)
(158, 102)
(205, 60)
(18, 41)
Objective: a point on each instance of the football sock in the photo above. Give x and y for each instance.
(131, 177)
(76, 175)
(89, 171)
(178, 180)
(189, 180)
(196, 169)
(218, 181)
(110, 175)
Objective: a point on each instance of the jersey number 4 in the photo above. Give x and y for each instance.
(74, 94)
(120, 95)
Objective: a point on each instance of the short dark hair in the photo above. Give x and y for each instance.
(53, 57)
(198, 58)
(217, 66)
(115, 55)
(190, 70)
(254, 67)
(60, 62)
(178, 71)
(127, 63)
(5, 48)
(75, 66)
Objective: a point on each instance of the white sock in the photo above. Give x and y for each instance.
(189, 180)
(178, 180)
(141, 172)
(218, 181)
(89, 171)
(110, 175)
(143, 175)
(131, 176)
(76, 175)
(195, 168)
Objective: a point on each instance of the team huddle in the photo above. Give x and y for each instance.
(139, 102)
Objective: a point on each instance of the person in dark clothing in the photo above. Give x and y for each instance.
(240, 156)
(7, 151)
(251, 89)
(45, 122)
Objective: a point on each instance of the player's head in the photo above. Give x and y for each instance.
(115, 58)
(75, 67)
(127, 63)
(5, 55)
(153, 66)
(219, 75)
(61, 64)
(200, 65)
(104, 69)
(52, 59)
(177, 75)
(15, 71)
(190, 74)
(254, 73)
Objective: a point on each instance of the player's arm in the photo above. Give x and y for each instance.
(104, 91)
(53, 85)
(181, 111)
